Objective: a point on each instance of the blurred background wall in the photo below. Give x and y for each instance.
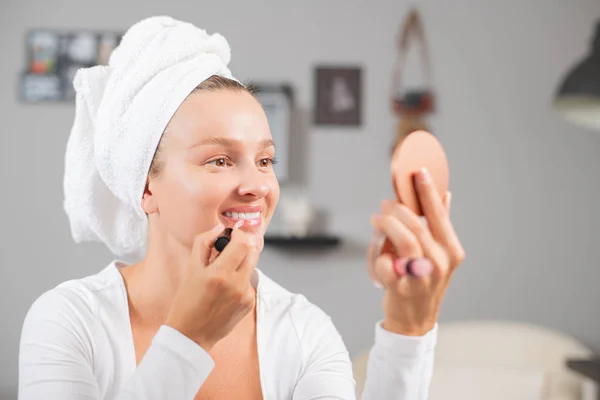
(525, 184)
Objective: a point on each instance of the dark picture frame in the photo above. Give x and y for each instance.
(53, 58)
(277, 100)
(338, 92)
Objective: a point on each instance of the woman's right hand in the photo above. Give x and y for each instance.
(215, 296)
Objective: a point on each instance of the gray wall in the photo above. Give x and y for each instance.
(524, 182)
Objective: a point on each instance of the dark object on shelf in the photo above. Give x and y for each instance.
(590, 368)
(306, 242)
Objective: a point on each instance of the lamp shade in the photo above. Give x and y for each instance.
(578, 97)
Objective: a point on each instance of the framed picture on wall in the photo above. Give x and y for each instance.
(54, 56)
(338, 96)
(37, 88)
(43, 47)
(277, 101)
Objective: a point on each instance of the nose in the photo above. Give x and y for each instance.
(254, 183)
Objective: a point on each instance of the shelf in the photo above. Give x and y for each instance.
(306, 242)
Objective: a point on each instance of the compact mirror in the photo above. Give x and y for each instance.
(418, 149)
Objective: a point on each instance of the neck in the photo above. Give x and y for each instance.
(152, 283)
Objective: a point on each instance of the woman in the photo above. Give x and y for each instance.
(168, 149)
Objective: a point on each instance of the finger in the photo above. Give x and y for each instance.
(260, 242)
(391, 281)
(374, 250)
(438, 218)
(246, 268)
(414, 285)
(433, 208)
(432, 251)
(447, 201)
(412, 221)
(236, 251)
(384, 271)
(404, 241)
(204, 243)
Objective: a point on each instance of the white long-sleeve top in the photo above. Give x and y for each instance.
(77, 344)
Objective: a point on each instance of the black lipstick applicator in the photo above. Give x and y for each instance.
(223, 240)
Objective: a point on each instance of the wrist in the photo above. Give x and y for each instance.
(407, 329)
(206, 344)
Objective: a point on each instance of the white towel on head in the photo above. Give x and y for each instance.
(121, 112)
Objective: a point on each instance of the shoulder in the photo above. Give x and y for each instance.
(76, 295)
(69, 309)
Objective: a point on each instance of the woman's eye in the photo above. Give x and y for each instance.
(267, 162)
(219, 162)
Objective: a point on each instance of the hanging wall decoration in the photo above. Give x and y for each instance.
(411, 106)
(53, 58)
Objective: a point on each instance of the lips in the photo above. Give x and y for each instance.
(242, 215)
(252, 216)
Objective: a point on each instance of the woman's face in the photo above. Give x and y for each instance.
(217, 167)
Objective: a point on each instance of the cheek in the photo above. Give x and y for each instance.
(273, 196)
(190, 204)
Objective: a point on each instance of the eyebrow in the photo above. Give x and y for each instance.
(228, 142)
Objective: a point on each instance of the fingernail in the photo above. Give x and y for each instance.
(377, 238)
(449, 200)
(424, 175)
(385, 203)
(238, 224)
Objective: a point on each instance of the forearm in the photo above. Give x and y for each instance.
(400, 367)
(173, 367)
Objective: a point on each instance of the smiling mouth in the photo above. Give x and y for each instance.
(251, 219)
(236, 215)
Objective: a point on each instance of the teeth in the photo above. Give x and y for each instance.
(236, 215)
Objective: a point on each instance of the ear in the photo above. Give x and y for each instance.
(149, 201)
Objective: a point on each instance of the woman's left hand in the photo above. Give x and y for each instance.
(411, 303)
